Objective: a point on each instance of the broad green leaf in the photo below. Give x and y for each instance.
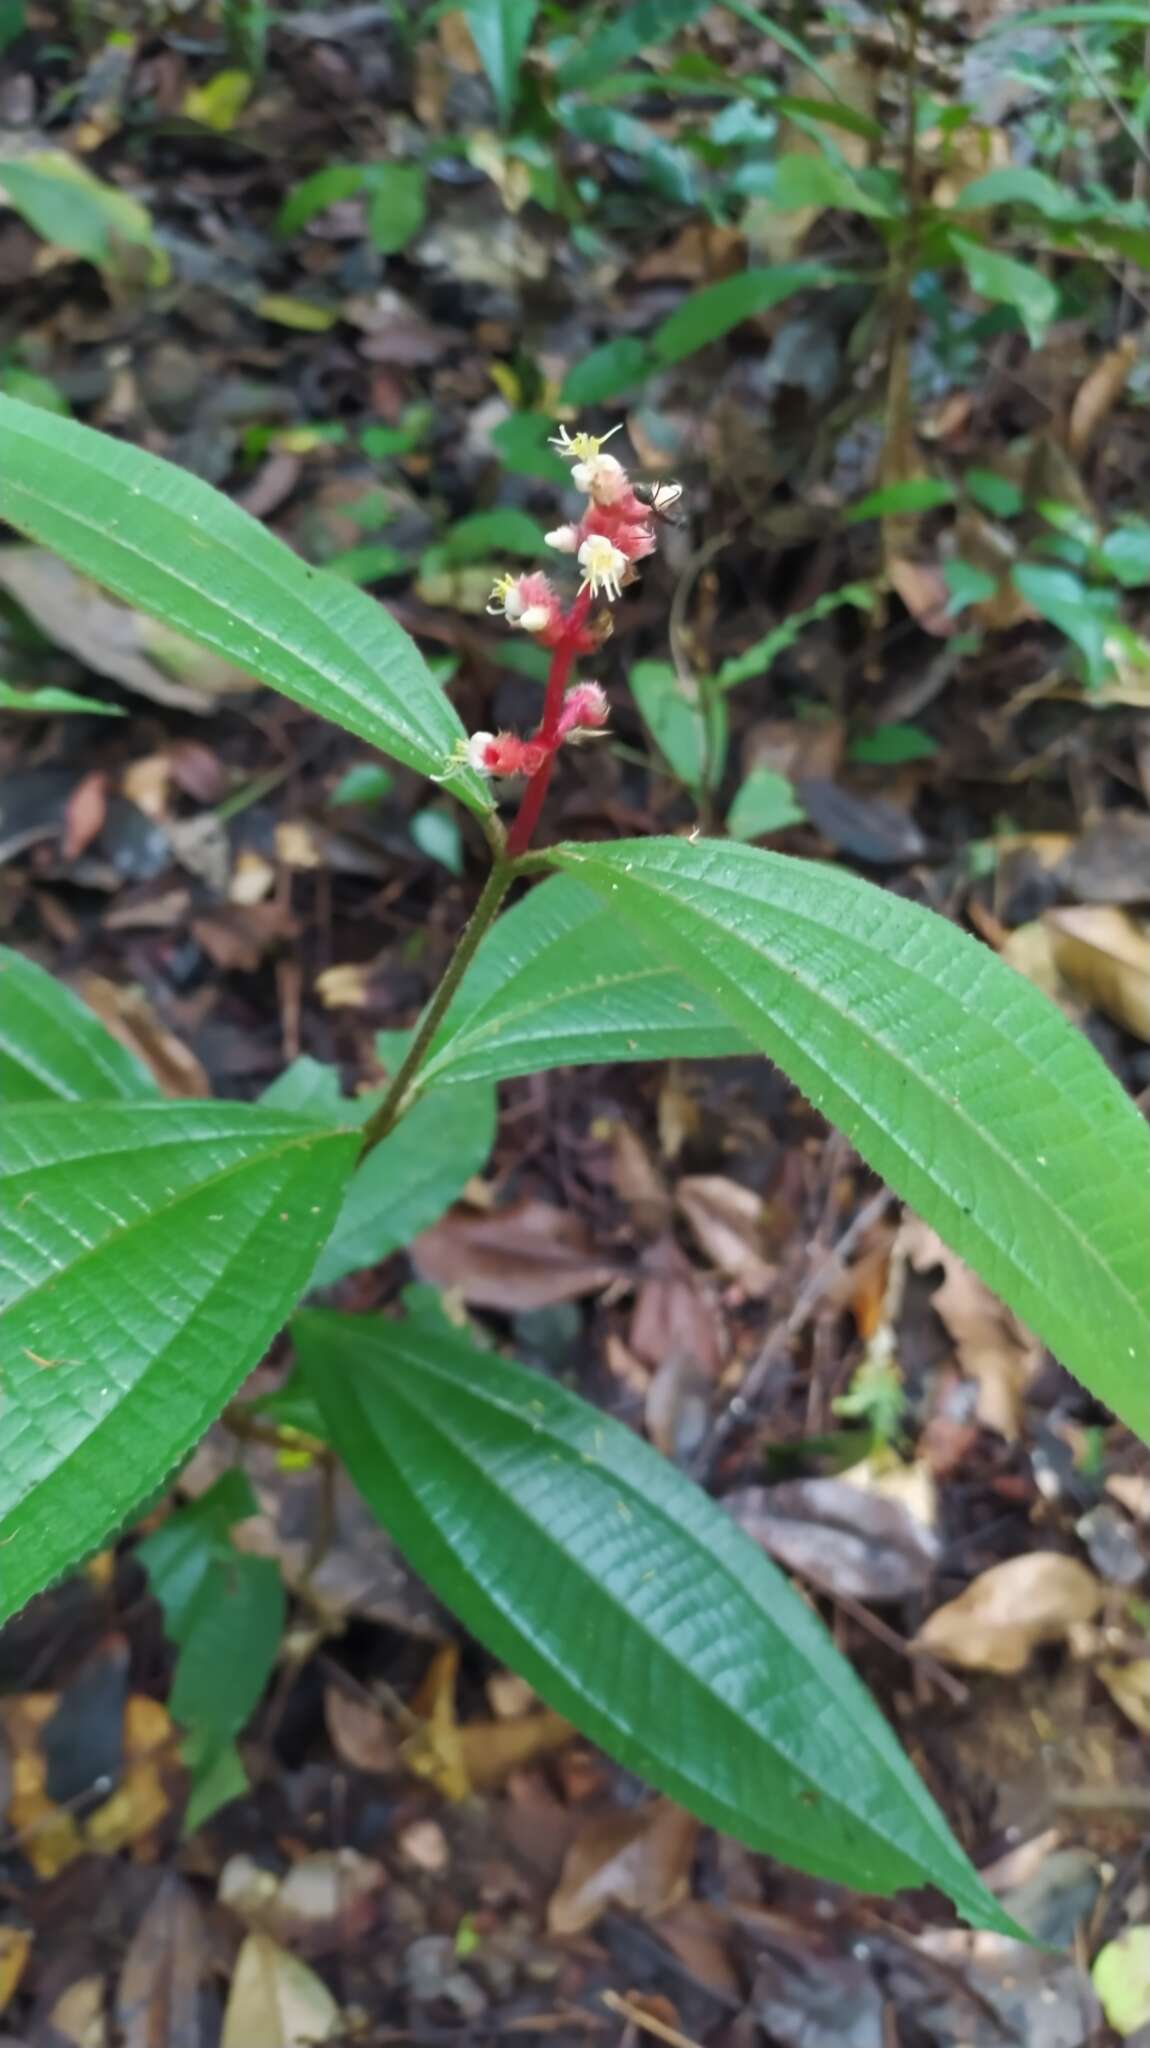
(397, 205)
(62, 200)
(637, 27)
(712, 312)
(765, 803)
(148, 1255)
(1125, 554)
(53, 1049)
(1019, 185)
(997, 495)
(678, 726)
(799, 180)
(629, 1601)
(967, 584)
(665, 168)
(411, 1177)
(315, 194)
(916, 494)
(560, 982)
(613, 368)
(501, 31)
(179, 550)
(309, 1088)
(757, 659)
(435, 830)
(1007, 282)
(224, 1609)
(47, 700)
(960, 1083)
(521, 442)
(365, 782)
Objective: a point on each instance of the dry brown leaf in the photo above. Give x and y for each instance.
(638, 1181)
(105, 636)
(131, 1018)
(677, 1406)
(701, 252)
(839, 1536)
(1099, 393)
(675, 1311)
(51, 1836)
(360, 1734)
(78, 2016)
(1104, 954)
(640, 1861)
(146, 783)
(528, 1256)
(727, 1221)
(297, 844)
(1029, 949)
(325, 1901)
(345, 986)
(158, 1998)
(1006, 1612)
(84, 814)
(991, 1345)
(462, 1760)
(275, 2000)
(924, 591)
(1132, 1491)
(253, 878)
(1129, 1688)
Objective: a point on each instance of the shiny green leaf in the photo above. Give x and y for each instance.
(639, 26)
(960, 1083)
(148, 1255)
(52, 1048)
(607, 372)
(501, 31)
(712, 312)
(314, 195)
(47, 700)
(678, 726)
(1005, 281)
(396, 206)
(560, 982)
(411, 1177)
(764, 803)
(629, 1601)
(179, 550)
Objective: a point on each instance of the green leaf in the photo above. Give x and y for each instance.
(637, 27)
(225, 1611)
(996, 494)
(501, 31)
(916, 494)
(411, 1177)
(521, 441)
(148, 1255)
(315, 194)
(610, 370)
(52, 1048)
(629, 1601)
(1088, 14)
(309, 1088)
(1061, 597)
(765, 803)
(436, 833)
(1019, 185)
(967, 584)
(757, 659)
(48, 700)
(677, 725)
(373, 562)
(889, 746)
(560, 982)
(504, 531)
(799, 180)
(712, 312)
(1009, 283)
(397, 205)
(62, 201)
(960, 1083)
(1125, 554)
(365, 782)
(175, 548)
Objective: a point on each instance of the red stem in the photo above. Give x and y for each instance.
(527, 817)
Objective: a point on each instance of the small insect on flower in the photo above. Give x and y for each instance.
(661, 500)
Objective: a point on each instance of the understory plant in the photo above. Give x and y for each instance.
(151, 1249)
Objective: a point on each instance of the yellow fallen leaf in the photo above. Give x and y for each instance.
(1121, 1977)
(305, 314)
(1104, 954)
(218, 103)
(275, 2001)
(15, 1948)
(991, 1345)
(1129, 1688)
(1006, 1612)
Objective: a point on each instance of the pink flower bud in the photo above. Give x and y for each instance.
(585, 709)
(504, 753)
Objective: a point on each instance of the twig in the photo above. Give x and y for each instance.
(883, 1633)
(630, 2011)
(1115, 105)
(741, 1405)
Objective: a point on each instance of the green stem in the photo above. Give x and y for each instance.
(391, 1108)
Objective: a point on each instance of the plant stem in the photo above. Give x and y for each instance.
(527, 816)
(391, 1108)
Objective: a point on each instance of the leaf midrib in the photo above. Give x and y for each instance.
(18, 1302)
(649, 1505)
(874, 1037)
(467, 1040)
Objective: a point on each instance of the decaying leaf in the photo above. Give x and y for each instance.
(131, 1018)
(1121, 1977)
(528, 1256)
(991, 1345)
(276, 2000)
(640, 1861)
(15, 1948)
(461, 1759)
(360, 1733)
(1099, 393)
(1006, 1612)
(158, 1997)
(325, 1901)
(726, 1219)
(839, 1536)
(52, 1836)
(1129, 1688)
(1104, 954)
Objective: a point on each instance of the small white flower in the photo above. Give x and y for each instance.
(565, 539)
(603, 565)
(505, 601)
(475, 750)
(602, 477)
(533, 619)
(581, 447)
